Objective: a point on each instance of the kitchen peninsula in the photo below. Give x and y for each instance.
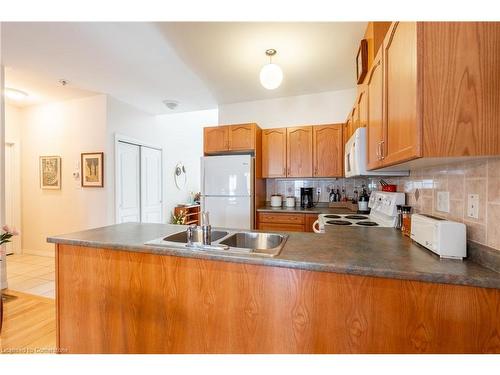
(345, 291)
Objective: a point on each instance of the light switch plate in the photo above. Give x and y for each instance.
(443, 201)
(473, 206)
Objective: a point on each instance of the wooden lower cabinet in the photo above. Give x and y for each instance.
(281, 227)
(310, 219)
(285, 222)
(114, 301)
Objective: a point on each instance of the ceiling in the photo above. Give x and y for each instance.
(227, 56)
(198, 64)
(40, 89)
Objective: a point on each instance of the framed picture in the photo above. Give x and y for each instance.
(50, 172)
(362, 61)
(93, 169)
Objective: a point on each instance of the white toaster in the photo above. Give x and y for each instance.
(445, 238)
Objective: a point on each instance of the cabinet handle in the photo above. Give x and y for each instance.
(379, 156)
(284, 171)
(288, 173)
(382, 157)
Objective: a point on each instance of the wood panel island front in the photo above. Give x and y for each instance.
(346, 291)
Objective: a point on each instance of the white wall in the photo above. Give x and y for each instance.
(321, 108)
(3, 274)
(66, 129)
(125, 120)
(184, 143)
(13, 126)
(179, 135)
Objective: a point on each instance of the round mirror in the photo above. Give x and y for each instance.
(180, 176)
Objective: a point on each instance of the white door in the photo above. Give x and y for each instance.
(151, 186)
(128, 183)
(227, 175)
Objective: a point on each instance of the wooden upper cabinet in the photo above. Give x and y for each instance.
(226, 138)
(354, 118)
(348, 130)
(440, 93)
(216, 139)
(362, 106)
(242, 137)
(402, 131)
(299, 151)
(274, 153)
(328, 149)
(460, 64)
(375, 106)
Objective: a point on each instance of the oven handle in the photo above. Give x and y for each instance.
(316, 225)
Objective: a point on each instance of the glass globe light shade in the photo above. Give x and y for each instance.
(271, 76)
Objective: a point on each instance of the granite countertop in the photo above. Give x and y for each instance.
(300, 210)
(379, 252)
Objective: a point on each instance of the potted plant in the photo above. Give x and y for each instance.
(178, 218)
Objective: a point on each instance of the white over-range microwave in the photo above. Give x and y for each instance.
(355, 160)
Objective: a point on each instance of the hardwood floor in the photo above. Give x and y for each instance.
(31, 274)
(29, 324)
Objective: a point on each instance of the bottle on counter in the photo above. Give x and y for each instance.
(363, 200)
(399, 218)
(406, 225)
(331, 197)
(338, 194)
(355, 195)
(343, 197)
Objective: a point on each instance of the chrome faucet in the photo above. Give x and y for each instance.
(206, 229)
(190, 234)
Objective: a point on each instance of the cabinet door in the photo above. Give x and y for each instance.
(362, 106)
(242, 137)
(277, 227)
(348, 128)
(375, 113)
(274, 153)
(402, 131)
(354, 118)
(216, 139)
(299, 151)
(328, 148)
(310, 219)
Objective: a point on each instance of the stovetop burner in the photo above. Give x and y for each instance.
(339, 222)
(367, 223)
(356, 217)
(332, 216)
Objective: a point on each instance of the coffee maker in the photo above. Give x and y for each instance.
(306, 197)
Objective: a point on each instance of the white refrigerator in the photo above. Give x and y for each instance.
(227, 190)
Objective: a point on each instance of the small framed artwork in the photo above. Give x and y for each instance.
(93, 169)
(362, 61)
(50, 172)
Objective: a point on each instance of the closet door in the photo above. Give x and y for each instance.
(128, 183)
(151, 186)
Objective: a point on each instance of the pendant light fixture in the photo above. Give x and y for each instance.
(271, 74)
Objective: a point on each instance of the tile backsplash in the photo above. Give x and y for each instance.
(291, 187)
(480, 177)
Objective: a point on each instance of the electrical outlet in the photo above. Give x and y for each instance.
(473, 206)
(443, 201)
(318, 191)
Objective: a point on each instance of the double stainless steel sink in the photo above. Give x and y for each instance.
(227, 241)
